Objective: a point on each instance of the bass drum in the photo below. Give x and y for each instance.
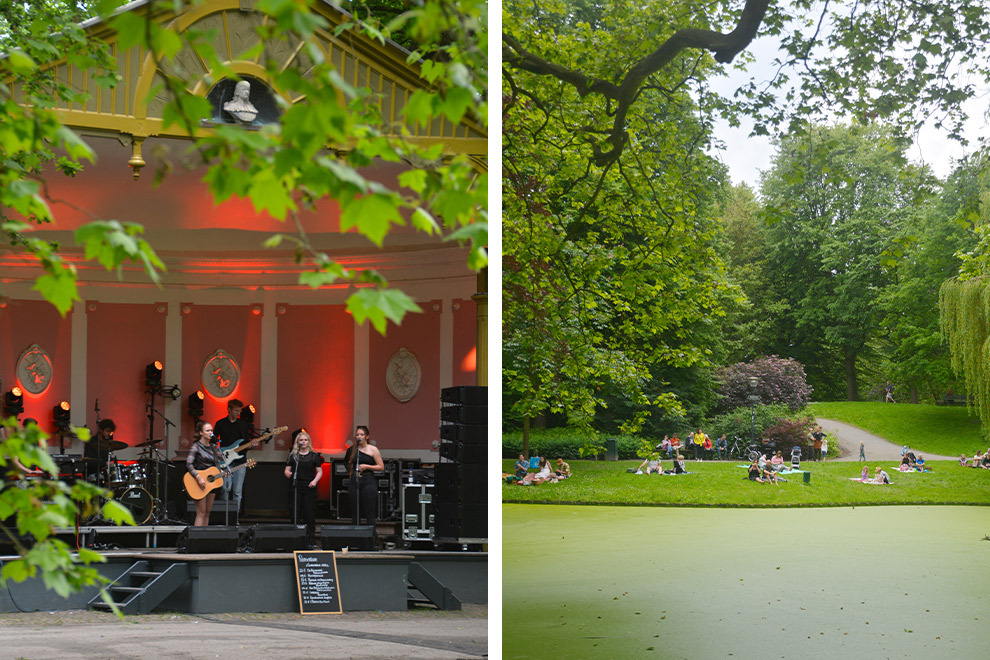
(138, 501)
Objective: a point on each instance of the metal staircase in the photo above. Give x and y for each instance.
(422, 587)
(139, 590)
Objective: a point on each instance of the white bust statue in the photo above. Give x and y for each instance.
(240, 107)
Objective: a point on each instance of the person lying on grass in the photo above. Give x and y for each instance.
(650, 464)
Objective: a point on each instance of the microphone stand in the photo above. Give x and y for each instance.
(99, 454)
(295, 492)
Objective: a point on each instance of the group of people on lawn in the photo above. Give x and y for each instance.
(544, 473)
(978, 461)
(698, 442)
(763, 471)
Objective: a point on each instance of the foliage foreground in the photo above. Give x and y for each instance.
(723, 484)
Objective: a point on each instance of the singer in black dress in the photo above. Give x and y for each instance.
(304, 468)
(369, 461)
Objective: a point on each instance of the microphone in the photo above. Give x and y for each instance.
(97, 406)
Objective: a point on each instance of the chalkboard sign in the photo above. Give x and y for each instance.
(316, 582)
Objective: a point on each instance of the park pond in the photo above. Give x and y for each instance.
(874, 581)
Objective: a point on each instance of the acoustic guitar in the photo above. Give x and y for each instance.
(213, 478)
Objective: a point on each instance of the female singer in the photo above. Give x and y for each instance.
(202, 455)
(369, 460)
(305, 467)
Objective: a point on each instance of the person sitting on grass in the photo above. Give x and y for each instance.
(650, 464)
(678, 466)
(907, 463)
(754, 472)
(770, 475)
(563, 470)
(963, 461)
(920, 465)
(985, 463)
(777, 462)
(865, 475)
(522, 467)
(538, 477)
(881, 476)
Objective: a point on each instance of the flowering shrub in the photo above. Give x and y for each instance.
(781, 380)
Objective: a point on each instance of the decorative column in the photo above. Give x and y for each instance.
(481, 299)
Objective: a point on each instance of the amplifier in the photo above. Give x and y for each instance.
(477, 415)
(472, 395)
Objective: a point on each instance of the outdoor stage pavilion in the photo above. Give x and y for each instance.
(231, 320)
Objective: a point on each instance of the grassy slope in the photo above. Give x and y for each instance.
(944, 430)
(723, 484)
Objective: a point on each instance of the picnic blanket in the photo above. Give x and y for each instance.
(869, 481)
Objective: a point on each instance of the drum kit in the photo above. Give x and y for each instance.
(135, 484)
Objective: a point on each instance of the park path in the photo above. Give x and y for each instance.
(877, 449)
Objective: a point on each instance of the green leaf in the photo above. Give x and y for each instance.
(59, 289)
(380, 306)
(371, 215)
(456, 103)
(20, 63)
(268, 194)
(419, 107)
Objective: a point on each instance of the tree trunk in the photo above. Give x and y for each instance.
(852, 392)
(525, 447)
(914, 395)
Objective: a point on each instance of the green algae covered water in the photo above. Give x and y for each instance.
(637, 582)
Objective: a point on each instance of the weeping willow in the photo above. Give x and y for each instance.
(964, 310)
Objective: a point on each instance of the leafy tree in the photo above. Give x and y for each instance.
(316, 152)
(835, 199)
(924, 256)
(779, 380)
(887, 60)
(609, 272)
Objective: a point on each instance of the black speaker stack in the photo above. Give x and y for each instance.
(460, 488)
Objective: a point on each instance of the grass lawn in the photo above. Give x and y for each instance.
(943, 430)
(721, 483)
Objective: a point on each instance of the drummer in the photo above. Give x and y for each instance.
(97, 450)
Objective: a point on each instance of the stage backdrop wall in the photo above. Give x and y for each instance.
(391, 421)
(121, 340)
(205, 328)
(27, 322)
(316, 379)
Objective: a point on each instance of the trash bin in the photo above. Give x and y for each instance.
(807, 477)
(611, 449)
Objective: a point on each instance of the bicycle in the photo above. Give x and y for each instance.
(737, 449)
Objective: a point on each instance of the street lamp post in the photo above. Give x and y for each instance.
(753, 399)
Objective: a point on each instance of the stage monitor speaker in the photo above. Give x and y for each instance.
(475, 435)
(353, 537)
(472, 395)
(202, 540)
(276, 538)
(477, 415)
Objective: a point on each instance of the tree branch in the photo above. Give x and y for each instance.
(723, 46)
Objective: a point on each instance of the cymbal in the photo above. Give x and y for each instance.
(111, 445)
(148, 443)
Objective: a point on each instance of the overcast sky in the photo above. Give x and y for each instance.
(747, 156)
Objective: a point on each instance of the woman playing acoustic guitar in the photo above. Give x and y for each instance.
(202, 455)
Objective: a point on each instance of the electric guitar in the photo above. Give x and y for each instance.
(213, 478)
(233, 451)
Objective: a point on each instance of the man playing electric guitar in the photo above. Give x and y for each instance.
(230, 431)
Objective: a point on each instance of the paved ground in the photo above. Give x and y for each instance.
(876, 448)
(85, 635)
